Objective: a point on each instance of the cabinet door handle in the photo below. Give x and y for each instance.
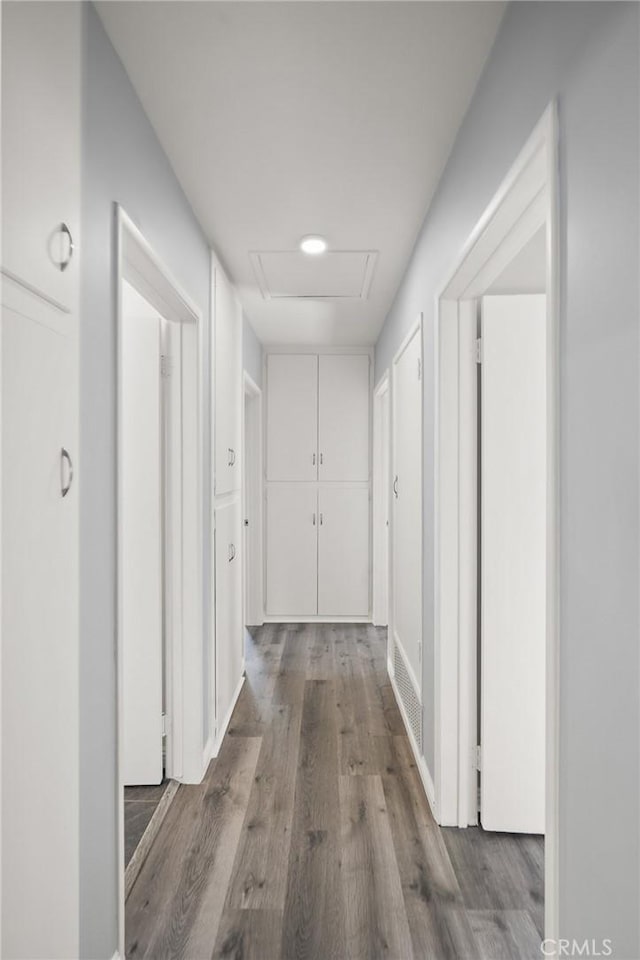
(395, 486)
(65, 487)
(321, 519)
(65, 260)
(313, 459)
(321, 459)
(314, 519)
(232, 552)
(232, 457)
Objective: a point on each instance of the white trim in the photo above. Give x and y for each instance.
(136, 261)
(252, 506)
(527, 198)
(274, 618)
(380, 515)
(217, 743)
(423, 770)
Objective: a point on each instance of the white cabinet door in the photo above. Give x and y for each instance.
(41, 145)
(343, 418)
(407, 505)
(228, 384)
(229, 626)
(343, 551)
(292, 549)
(513, 569)
(39, 635)
(142, 550)
(292, 417)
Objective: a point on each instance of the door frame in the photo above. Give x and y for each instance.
(252, 500)
(137, 263)
(381, 511)
(526, 200)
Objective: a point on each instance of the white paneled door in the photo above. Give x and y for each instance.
(407, 504)
(292, 417)
(344, 417)
(228, 391)
(142, 548)
(343, 551)
(513, 578)
(292, 549)
(229, 626)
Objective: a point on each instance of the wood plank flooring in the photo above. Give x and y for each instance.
(311, 839)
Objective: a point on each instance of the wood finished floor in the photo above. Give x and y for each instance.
(310, 836)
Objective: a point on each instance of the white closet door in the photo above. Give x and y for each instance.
(39, 636)
(142, 548)
(229, 626)
(292, 417)
(228, 377)
(292, 550)
(344, 418)
(343, 551)
(513, 583)
(407, 505)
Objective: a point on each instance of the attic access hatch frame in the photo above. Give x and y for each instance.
(370, 260)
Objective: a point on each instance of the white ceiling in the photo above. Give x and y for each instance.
(285, 119)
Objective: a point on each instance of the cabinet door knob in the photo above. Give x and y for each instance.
(65, 485)
(66, 241)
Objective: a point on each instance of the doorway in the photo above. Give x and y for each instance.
(484, 578)
(159, 546)
(381, 500)
(253, 603)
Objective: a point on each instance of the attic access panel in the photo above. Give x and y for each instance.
(335, 275)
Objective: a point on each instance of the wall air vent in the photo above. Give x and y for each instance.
(293, 275)
(408, 695)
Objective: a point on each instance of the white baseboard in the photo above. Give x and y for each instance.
(225, 723)
(117, 956)
(423, 770)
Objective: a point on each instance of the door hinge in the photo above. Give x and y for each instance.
(165, 724)
(419, 369)
(165, 365)
(479, 350)
(477, 757)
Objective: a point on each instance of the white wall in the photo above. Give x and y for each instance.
(251, 352)
(586, 54)
(122, 161)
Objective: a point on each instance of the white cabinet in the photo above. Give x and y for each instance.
(318, 509)
(292, 417)
(292, 549)
(227, 349)
(39, 442)
(228, 590)
(41, 146)
(343, 551)
(343, 417)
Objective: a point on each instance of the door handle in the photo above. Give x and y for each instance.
(232, 457)
(314, 519)
(62, 230)
(232, 552)
(321, 519)
(395, 486)
(321, 459)
(313, 459)
(65, 487)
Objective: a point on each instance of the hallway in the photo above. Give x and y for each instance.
(311, 836)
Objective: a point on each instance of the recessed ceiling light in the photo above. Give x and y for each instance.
(313, 244)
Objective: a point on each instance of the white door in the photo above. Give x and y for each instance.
(381, 512)
(292, 417)
(407, 505)
(343, 551)
(228, 385)
(142, 549)
(229, 626)
(513, 580)
(343, 417)
(292, 549)
(39, 635)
